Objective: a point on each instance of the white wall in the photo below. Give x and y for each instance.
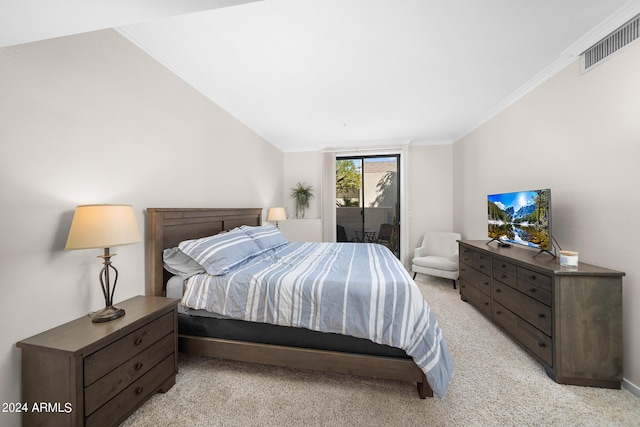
(580, 136)
(306, 168)
(92, 119)
(430, 192)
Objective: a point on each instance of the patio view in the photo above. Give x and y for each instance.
(367, 207)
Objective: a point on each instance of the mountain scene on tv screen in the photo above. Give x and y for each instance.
(521, 218)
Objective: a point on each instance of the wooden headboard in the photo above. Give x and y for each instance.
(168, 227)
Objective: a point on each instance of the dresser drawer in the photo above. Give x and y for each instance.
(117, 380)
(133, 395)
(534, 278)
(534, 312)
(504, 266)
(506, 278)
(466, 255)
(476, 278)
(105, 360)
(476, 259)
(537, 342)
(481, 262)
(505, 272)
(475, 297)
(538, 293)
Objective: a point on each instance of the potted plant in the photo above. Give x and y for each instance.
(301, 193)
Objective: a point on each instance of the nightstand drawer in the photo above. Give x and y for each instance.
(105, 360)
(117, 380)
(133, 395)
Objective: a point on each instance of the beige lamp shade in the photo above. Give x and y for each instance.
(103, 226)
(276, 214)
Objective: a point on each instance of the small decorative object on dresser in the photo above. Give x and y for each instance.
(568, 318)
(97, 374)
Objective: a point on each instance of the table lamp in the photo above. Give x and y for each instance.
(276, 214)
(104, 226)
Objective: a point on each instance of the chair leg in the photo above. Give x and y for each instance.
(414, 275)
(454, 283)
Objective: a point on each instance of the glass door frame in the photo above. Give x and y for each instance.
(365, 235)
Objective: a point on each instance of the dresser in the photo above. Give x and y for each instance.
(96, 374)
(567, 318)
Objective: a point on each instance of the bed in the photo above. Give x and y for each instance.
(274, 339)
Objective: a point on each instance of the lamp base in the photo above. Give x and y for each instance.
(107, 314)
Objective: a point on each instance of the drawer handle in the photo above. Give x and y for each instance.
(504, 276)
(138, 341)
(139, 390)
(498, 312)
(486, 303)
(533, 277)
(486, 283)
(541, 315)
(541, 345)
(498, 290)
(138, 366)
(532, 290)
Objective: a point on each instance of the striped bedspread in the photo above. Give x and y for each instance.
(353, 289)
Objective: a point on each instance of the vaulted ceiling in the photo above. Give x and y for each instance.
(313, 74)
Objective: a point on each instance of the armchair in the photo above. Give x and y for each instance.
(437, 256)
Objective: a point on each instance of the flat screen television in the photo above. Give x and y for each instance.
(521, 217)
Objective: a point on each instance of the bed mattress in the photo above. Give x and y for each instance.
(202, 323)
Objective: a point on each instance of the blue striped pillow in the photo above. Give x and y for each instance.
(266, 236)
(219, 254)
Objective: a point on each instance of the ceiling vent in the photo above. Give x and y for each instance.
(615, 41)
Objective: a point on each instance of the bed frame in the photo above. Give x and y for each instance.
(167, 227)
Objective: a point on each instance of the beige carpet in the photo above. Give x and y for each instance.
(495, 384)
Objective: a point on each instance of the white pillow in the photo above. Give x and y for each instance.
(178, 263)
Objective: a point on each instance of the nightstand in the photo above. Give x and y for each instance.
(96, 374)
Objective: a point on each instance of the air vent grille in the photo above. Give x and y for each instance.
(611, 44)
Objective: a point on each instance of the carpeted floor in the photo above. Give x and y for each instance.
(495, 384)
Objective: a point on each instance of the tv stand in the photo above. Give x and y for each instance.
(502, 244)
(568, 318)
(544, 250)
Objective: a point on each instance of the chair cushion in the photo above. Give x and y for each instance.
(439, 243)
(436, 262)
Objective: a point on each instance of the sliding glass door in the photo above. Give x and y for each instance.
(368, 200)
